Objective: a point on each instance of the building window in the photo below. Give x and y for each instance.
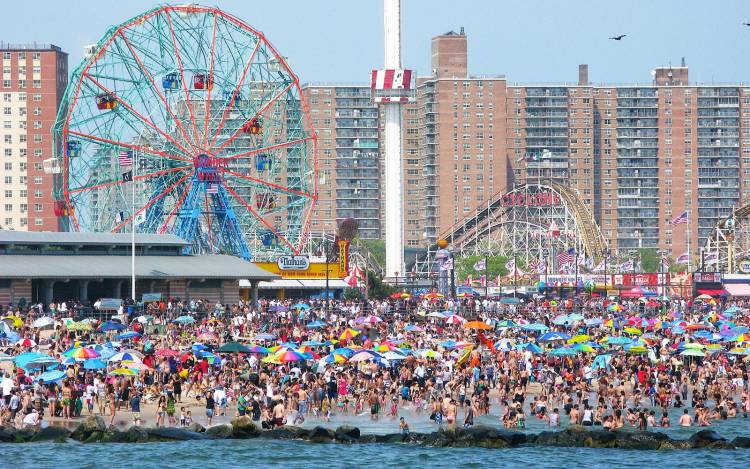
(38, 221)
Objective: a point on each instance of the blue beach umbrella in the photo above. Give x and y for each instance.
(553, 336)
(51, 376)
(316, 324)
(94, 364)
(128, 335)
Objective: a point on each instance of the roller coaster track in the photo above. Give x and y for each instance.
(471, 229)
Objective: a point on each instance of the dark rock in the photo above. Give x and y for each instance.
(52, 433)
(196, 427)
(600, 439)
(219, 431)
(741, 442)
(94, 437)
(706, 438)
(321, 435)
(7, 434)
(639, 440)
(114, 435)
(244, 427)
(347, 434)
(174, 434)
(287, 432)
(137, 434)
(91, 425)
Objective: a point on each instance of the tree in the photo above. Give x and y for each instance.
(353, 294)
(650, 259)
(465, 266)
(376, 248)
(378, 289)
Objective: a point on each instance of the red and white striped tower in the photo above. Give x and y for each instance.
(391, 87)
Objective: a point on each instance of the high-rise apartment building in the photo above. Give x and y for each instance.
(347, 124)
(33, 82)
(639, 155)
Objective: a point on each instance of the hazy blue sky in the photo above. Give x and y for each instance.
(527, 40)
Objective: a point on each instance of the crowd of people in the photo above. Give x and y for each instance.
(594, 362)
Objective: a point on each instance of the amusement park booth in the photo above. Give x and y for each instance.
(300, 277)
(44, 266)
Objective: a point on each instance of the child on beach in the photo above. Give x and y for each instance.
(183, 417)
(403, 429)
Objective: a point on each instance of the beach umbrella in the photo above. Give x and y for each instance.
(618, 340)
(430, 354)
(94, 364)
(368, 320)
(303, 306)
(111, 326)
(739, 351)
(123, 372)
(593, 322)
(413, 328)
(703, 297)
(138, 366)
(533, 348)
(22, 359)
(82, 353)
(79, 326)
(26, 342)
(578, 339)
(536, 327)
(207, 337)
(349, 334)
(601, 361)
(334, 358)
(432, 296)
(362, 356)
(288, 355)
(586, 348)
(44, 321)
(454, 319)
(233, 347)
(185, 320)
(42, 362)
(51, 376)
(394, 355)
(563, 352)
(506, 323)
(633, 330)
(636, 349)
(257, 349)
(615, 307)
(265, 336)
(553, 336)
(437, 314)
(144, 319)
(128, 335)
(479, 325)
(692, 352)
(4, 357)
(124, 356)
(13, 321)
(167, 352)
(316, 324)
(560, 320)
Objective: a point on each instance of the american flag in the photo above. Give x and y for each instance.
(126, 158)
(684, 258)
(566, 257)
(212, 189)
(682, 219)
(664, 262)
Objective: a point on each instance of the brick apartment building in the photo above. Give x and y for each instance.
(33, 82)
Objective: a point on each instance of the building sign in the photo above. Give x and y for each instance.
(540, 199)
(316, 270)
(636, 280)
(707, 277)
(744, 266)
(293, 263)
(343, 255)
(151, 297)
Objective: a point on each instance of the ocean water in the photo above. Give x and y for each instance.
(298, 454)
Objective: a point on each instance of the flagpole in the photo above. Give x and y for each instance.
(132, 231)
(688, 239)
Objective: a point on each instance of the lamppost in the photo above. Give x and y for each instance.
(605, 253)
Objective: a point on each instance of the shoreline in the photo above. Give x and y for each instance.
(94, 430)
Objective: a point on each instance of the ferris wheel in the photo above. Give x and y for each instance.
(186, 120)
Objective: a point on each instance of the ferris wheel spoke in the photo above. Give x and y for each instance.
(140, 177)
(140, 116)
(265, 149)
(182, 74)
(234, 94)
(150, 203)
(260, 218)
(156, 91)
(267, 184)
(258, 114)
(177, 206)
(211, 73)
(132, 146)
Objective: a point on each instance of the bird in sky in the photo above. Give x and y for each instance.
(746, 24)
(618, 38)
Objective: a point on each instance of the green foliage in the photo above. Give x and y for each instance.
(495, 266)
(649, 259)
(353, 294)
(376, 248)
(377, 289)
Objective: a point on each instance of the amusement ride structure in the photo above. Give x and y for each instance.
(186, 120)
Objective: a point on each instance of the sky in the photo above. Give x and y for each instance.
(529, 41)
